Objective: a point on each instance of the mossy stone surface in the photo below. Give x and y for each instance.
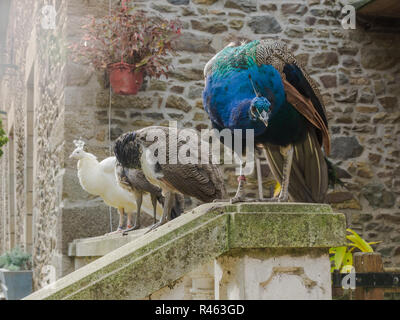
(159, 258)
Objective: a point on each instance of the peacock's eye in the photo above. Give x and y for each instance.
(253, 113)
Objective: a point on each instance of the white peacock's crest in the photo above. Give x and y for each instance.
(79, 143)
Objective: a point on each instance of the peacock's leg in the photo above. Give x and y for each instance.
(287, 153)
(166, 216)
(139, 199)
(240, 194)
(259, 176)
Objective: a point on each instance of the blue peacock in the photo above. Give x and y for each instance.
(259, 85)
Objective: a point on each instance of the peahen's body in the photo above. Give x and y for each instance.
(260, 86)
(202, 181)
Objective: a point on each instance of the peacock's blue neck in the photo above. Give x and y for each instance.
(227, 96)
(240, 119)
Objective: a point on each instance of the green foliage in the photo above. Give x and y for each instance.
(3, 137)
(342, 257)
(128, 36)
(16, 260)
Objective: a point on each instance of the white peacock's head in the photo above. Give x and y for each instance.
(78, 153)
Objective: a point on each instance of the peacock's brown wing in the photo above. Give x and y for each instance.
(301, 91)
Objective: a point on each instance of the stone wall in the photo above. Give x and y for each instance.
(359, 76)
(12, 101)
(40, 55)
(357, 70)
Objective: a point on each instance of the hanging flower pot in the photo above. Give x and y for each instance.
(127, 38)
(124, 79)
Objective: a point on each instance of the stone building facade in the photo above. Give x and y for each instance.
(50, 101)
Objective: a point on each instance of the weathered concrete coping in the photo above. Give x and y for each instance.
(157, 259)
(100, 246)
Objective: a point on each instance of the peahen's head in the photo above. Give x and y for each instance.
(127, 151)
(260, 110)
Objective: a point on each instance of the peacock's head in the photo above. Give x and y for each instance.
(260, 110)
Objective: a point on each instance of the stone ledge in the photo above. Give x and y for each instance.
(100, 246)
(157, 259)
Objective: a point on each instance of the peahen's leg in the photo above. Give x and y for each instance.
(166, 216)
(154, 203)
(139, 199)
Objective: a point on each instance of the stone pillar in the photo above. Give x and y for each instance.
(279, 251)
(263, 274)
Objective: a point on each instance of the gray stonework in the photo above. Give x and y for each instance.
(259, 251)
(358, 72)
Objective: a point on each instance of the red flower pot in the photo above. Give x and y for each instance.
(124, 79)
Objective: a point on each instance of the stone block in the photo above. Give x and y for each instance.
(345, 148)
(244, 5)
(265, 24)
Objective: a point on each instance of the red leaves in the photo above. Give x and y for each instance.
(131, 36)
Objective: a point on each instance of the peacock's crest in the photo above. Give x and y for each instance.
(241, 57)
(79, 143)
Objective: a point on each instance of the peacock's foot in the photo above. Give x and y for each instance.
(237, 199)
(129, 229)
(119, 230)
(221, 200)
(244, 199)
(232, 200)
(156, 225)
(274, 199)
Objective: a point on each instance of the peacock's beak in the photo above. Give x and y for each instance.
(264, 117)
(255, 115)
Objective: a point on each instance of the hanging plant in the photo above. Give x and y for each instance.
(3, 137)
(130, 45)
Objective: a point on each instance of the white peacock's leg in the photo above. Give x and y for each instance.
(287, 153)
(121, 212)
